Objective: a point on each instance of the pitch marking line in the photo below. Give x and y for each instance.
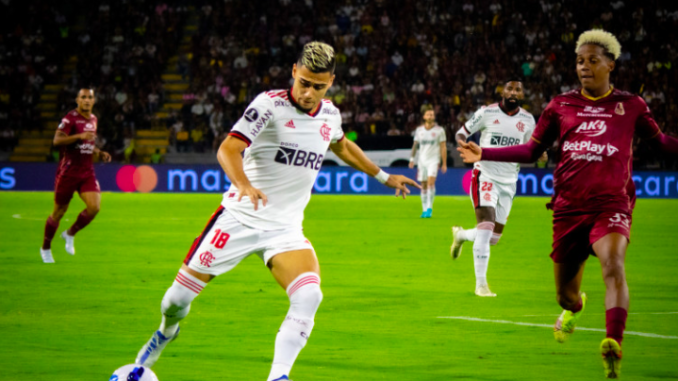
(643, 334)
(630, 313)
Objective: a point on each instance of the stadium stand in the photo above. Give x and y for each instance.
(185, 74)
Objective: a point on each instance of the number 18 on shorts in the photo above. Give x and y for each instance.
(225, 242)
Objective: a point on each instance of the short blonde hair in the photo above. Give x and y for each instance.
(604, 39)
(318, 57)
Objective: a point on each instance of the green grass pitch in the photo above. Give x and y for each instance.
(386, 275)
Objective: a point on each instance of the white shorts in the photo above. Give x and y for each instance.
(225, 242)
(426, 170)
(488, 193)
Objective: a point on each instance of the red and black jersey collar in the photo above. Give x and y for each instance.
(509, 113)
(298, 107)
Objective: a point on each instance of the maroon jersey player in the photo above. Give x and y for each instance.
(594, 193)
(76, 138)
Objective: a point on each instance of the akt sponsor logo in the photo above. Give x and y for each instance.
(592, 128)
(499, 140)
(299, 158)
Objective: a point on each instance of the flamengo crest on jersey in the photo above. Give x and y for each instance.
(286, 151)
(497, 129)
(429, 144)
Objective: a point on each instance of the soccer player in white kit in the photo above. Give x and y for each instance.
(284, 135)
(493, 184)
(431, 141)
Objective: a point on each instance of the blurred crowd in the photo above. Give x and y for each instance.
(394, 59)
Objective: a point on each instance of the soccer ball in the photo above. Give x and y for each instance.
(133, 372)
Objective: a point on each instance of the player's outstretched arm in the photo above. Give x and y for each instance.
(665, 143)
(523, 153)
(230, 158)
(61, 139)
(351, 154)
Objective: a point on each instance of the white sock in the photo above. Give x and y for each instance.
(481, 251)
(305, 297)
(424, 199)
(431, 196)
(177, 301)
(495, 239)
(468, 235)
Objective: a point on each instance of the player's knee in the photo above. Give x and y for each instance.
(92, 210)
(305, 294)
(58, 213)
(178, 298)
(613, 269)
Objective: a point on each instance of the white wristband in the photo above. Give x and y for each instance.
(382, 176)
(411, 159)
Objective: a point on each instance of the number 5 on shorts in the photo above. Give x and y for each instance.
(219, 239)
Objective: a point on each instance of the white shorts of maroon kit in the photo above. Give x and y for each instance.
(486, 192)
(225, 242)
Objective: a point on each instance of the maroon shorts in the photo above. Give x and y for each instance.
(574, 235)
(66, 185)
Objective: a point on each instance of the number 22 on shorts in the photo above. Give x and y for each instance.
(220, 239)
(486, 186)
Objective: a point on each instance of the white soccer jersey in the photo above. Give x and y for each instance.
(497, 129)
(429, 144)
(286, 151)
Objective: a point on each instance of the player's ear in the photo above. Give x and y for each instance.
(611, 65)
(294, 71)
(329, 84)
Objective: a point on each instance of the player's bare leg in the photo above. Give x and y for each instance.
(175, 306)
(51, 227)
(92, 202)
(431, 194)
(568, 278)
(298, 272)
(611, 251)
(424, 199)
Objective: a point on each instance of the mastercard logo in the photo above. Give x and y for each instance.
(466, 181)
(142, 179)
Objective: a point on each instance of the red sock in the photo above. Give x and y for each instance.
(83, 220)
(577, 307)
(51, 227)
(615, 321)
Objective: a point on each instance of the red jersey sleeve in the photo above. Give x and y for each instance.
(547, 128)
(646, 126)
(67, 124)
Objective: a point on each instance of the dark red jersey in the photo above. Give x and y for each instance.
(77, 157)
(595, 139)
